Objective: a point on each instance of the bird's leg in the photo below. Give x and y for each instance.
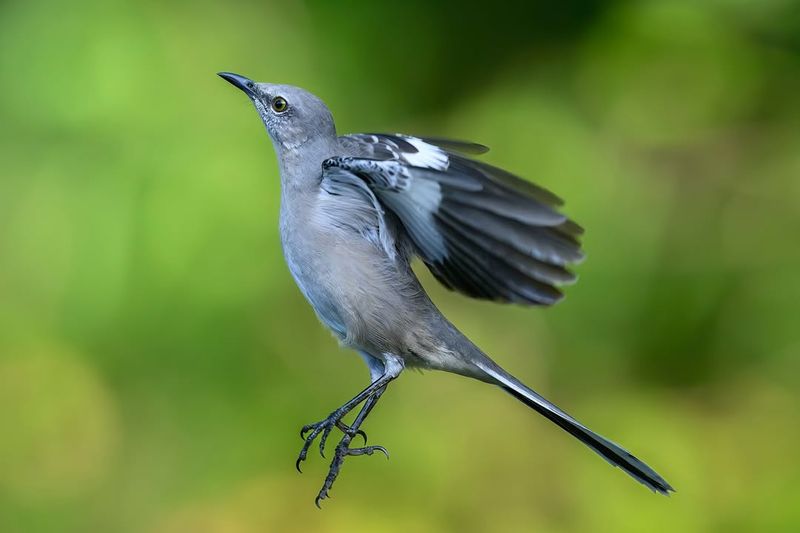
(343, 448)
(324, 427)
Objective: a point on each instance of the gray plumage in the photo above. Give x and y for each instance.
(357, 209)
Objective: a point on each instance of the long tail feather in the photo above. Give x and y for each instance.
(611, 452)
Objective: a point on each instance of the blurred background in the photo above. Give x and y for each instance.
(157, 362)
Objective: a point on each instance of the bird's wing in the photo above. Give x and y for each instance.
(479, 229)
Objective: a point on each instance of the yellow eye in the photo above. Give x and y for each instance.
(279, 104)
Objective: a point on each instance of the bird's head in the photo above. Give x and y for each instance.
(291, 115)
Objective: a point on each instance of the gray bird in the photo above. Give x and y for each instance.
(356, 209)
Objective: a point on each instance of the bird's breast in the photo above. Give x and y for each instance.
(356, 289)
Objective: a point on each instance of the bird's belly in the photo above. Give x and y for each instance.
(354, 289)
(314, 281)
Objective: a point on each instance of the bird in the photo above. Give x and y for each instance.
(355, 212)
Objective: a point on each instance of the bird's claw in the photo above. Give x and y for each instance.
(367, 450)
(342, 451)
(324, 427)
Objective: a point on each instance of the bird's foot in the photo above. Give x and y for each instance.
(324, 428)
(343, 450)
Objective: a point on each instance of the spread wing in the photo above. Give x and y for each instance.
(479, 229)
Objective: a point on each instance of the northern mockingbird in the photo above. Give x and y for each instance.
(356, 209)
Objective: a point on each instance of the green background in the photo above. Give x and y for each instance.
(156, 360)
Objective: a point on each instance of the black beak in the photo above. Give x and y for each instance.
(245, 84)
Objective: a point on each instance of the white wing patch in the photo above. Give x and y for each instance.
(416, 206)
(427, 156)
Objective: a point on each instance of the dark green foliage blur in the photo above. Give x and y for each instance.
(157, 362)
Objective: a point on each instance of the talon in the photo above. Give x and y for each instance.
(381, 449)
(325, 427)
(366, 450)
(306, 446)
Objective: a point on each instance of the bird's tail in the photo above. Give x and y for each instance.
(613, 453)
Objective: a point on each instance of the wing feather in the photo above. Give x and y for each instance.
(480, 230)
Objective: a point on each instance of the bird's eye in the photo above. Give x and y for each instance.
(279, 104)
